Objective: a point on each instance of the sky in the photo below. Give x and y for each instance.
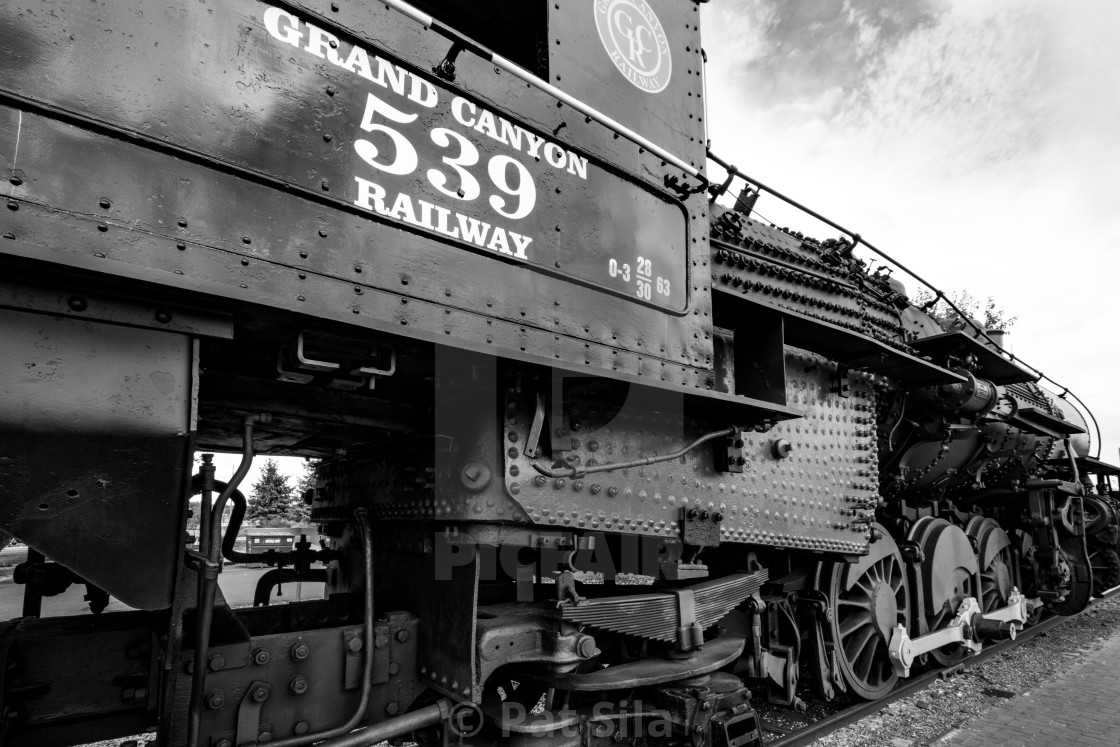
(976, 141)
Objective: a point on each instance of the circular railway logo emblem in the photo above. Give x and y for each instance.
(635, 41)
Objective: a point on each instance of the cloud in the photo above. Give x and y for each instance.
(975, 142)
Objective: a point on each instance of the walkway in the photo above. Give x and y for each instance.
(1081, 708)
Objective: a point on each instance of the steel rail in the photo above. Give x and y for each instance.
(806, 735)
(733, 172)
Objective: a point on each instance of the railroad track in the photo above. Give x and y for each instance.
(811, 732)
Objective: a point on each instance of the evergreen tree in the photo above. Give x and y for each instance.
(301, 512)
(270, 503)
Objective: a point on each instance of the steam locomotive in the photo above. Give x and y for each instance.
(602, 453)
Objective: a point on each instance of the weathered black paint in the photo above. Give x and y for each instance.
(241, 102)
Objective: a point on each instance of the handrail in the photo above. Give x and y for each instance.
(465, 42)
(733, 172)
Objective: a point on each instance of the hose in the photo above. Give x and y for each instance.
(574, 472)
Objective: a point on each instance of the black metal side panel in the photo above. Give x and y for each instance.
(94, 432)
(640, 62)
(804, 484)
(407, 182)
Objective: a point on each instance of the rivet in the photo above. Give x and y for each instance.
(12, 205)
(77, 303)
(182, 223)
(104, 203)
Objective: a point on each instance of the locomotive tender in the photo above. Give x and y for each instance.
(466, 253)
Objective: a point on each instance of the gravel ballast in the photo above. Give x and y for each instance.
(928, 716)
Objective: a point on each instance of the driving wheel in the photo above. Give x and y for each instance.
(867, 600)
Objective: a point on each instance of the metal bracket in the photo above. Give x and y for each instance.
(310, 363)
(700, 526)
(733, 457)
(843, 382)
(689, 633)
(198, 562)
(969, 627)
(249, 713)
(532, 442)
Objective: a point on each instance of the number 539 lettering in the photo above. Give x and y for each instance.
(461, 184)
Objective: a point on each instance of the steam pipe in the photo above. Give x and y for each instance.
(208, 570)
(263, 593)
(229, 540)
(395, 727)
(362, 517)
(574, 472)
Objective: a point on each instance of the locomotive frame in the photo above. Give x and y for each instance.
(252, 243)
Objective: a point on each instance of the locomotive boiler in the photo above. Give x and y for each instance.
(603, 456)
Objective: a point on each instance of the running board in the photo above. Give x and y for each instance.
(969, 628)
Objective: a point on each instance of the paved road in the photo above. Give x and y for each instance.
(1081, 709)
(237, 583)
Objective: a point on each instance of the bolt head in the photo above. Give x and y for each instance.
(261, 656)
(300, 651)
(260, 695)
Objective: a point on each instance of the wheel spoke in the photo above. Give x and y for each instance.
(855, 643)
(853, 622)
(861, 607)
